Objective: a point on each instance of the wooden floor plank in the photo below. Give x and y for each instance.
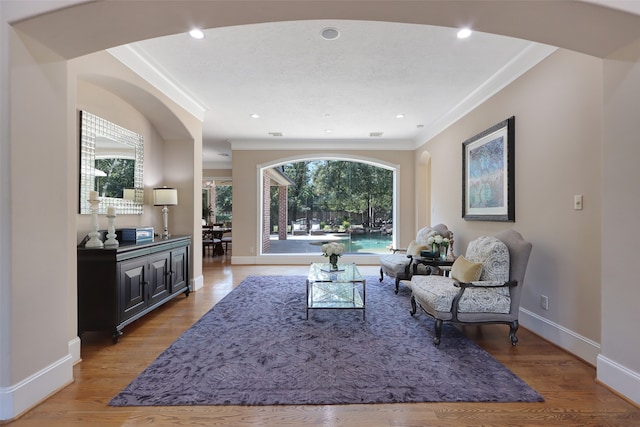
(572, 396)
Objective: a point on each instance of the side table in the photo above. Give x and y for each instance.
(442, 266)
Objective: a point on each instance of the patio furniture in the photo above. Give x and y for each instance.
(316, 230)
(298, 229)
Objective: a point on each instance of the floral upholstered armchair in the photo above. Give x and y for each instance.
(397, 264)
(484, 287)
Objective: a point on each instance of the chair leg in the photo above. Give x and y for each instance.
(436, 339)
(397, 285)
(381, 274)
(513, 328)
(414, 307)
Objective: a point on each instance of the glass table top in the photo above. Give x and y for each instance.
(320, 272)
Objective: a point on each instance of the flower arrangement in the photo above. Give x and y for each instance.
(438, 244)
(333, 250)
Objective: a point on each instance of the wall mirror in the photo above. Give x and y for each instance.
(111, 163)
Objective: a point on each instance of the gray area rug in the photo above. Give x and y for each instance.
(256, 348)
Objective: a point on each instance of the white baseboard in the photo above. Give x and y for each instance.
(243, 260)
(197, 283)
(74, 350)
(574, 343)
(26, 394)
(610, 373)
(619, 378)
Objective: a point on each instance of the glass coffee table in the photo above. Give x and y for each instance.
(342, 289)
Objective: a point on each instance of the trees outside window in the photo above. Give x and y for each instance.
(117, 174)
(217, 202)
(336, 196)
(223, 203)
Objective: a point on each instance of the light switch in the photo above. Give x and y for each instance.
(577, 202)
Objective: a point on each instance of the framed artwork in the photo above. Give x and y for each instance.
(488, 174)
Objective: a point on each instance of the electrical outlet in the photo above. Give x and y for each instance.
(544, 302)
(251, 249)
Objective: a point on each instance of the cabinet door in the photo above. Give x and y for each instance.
(179, 269)
(132, 282)
(159, 277)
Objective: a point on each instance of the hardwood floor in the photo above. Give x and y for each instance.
(572, 396)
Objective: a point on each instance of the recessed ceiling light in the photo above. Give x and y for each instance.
(330, 33)
(464, 33)
(328, 130)
(223, 154)
(255, 116)
(196, 34)
(399, 116)
(419, 126)
(275, 133)
(327, 115)
(376, 134)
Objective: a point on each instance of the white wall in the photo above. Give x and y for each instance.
(619, 362)
(42, 242)
(557, 109)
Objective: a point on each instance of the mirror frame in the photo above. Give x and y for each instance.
(91, 126)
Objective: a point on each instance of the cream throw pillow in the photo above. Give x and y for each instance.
(414, 248)
(466, 271)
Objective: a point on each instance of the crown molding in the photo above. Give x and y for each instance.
(324, 144)
(132, 58)
(527, 59)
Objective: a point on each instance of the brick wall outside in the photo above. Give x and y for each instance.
(282, 212)
(266, 209)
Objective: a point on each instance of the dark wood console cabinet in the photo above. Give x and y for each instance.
(119, 285)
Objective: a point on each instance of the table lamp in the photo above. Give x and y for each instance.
(165, 197)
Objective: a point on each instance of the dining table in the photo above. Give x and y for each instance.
(216, 233)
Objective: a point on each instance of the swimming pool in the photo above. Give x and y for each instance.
(354, 244)
(367, 243)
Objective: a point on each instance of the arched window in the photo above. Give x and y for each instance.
(308, 202)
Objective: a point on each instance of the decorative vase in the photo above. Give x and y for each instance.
(333, 260)
(443, 252)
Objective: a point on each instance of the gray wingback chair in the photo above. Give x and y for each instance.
(485, 286)
(397, 264)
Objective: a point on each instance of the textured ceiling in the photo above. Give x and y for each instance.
(302, 85)
(289, 76)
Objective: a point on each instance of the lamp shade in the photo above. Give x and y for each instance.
(165, 196)
(129, 193)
